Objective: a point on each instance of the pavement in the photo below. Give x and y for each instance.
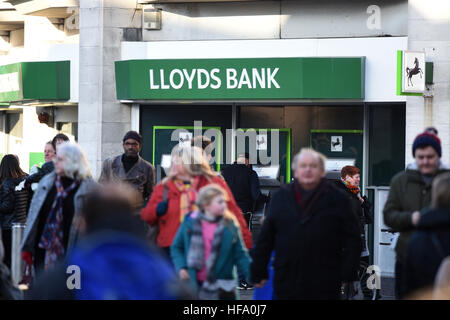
(387, 291)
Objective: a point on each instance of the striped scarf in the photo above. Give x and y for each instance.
(52, 236)
(353, 189)
(196, 254)
(187, 197)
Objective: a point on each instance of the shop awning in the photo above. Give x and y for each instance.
(241, 79)
(42, 81)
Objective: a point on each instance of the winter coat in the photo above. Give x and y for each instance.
(13, 208)
(169, 223)
(44, 187)
(232, 252)
(244, 184)
(141, 175)
(314, 253)
(408, 193)
(357, 210)
(424, 256)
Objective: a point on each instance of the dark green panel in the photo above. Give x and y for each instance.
(123, 69)
(183, 116)
(352, 145)
(284, 150)
(261, 78)
(163, 144)
(429, 70)
(386, 142)
(46, 80)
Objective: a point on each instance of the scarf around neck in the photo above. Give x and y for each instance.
(52, 236)
(188, 195)
(352, 188)
(196, 255)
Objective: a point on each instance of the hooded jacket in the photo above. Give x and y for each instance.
(433, 226)
(408, 193)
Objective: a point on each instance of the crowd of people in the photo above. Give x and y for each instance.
(185, 237)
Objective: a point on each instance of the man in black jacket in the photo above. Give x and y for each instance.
(244, 184)
(313, 233)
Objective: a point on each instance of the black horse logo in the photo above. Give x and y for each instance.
(413, 71)
(336, 143)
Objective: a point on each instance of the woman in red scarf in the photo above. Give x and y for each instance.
(175, 196)
(349, 183)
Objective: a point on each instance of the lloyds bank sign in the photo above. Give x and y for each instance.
(241, 79)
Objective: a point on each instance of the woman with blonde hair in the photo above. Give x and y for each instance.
(52, 222)
(208, 245)
(176, 195)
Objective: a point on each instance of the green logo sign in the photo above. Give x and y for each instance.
(222, 79)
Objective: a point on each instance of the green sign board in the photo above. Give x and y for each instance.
(261, 78)
(49, 80)
(36, 158)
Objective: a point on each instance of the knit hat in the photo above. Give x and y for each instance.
(426, 139)
(132, 135)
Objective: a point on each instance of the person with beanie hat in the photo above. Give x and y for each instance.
(130, 167)
(410, 195)
(426, 139)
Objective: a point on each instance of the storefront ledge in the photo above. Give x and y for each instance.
(21, 104)
(251, 102)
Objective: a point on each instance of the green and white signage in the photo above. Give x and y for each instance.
(49, 80)
(222, 79)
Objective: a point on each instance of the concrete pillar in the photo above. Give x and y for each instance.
(102, 119)
(428, 25)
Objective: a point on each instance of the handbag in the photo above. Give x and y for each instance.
(153, 231)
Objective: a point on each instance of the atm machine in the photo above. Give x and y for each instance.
(269, 181)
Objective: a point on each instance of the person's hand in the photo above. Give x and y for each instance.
(183, 274)
(261, 283)
(361, 200)
(161, 208)
(415, 218)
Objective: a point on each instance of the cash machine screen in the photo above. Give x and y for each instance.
(267, 172)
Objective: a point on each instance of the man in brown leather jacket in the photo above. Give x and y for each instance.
(129, 167)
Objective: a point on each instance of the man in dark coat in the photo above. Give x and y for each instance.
(313, 232)
(409, 196)
(430, 244)
(244, 184)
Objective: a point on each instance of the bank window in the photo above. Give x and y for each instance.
(386, 142)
